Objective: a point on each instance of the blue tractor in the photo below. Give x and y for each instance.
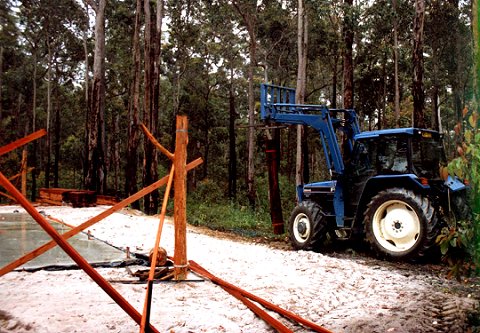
(385, 185)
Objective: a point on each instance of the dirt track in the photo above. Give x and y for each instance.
(342, 292)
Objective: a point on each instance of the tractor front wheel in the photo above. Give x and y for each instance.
(400, 224)
(307, 226)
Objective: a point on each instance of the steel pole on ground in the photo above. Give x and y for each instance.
(180, 204)
(148, 297)
(235, 291)
(81, 262)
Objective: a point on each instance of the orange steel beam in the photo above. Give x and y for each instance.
(156, 143)
(114, 294)
(153, 264)
(47, 246)
(22, 141)
(228, 286)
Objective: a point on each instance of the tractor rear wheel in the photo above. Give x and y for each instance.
(307, 226)
(400, 224)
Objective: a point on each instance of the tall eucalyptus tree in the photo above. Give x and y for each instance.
(95, 168)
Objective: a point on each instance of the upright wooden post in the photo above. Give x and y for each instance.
(180, 199)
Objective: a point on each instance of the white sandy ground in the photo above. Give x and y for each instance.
(340, 292)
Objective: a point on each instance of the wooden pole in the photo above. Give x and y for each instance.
(20, 142)
(47, 246)
(153, 264)
(180, 204)
(81, 262)
(19, 174)
(155, 142)
(24, 172)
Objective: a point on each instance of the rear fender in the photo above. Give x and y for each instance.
(455, 184)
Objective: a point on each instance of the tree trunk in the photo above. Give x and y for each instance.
(476, 68)
(87, 98)
(249, 19)
(395, 61)
(133, 140)
(1, 83)
(348, 55)
(251, 122)
(457, 84)
(56, 143)
(151, 94)
(302, 44)
(49, 111)
(34, 127)
(417, 86)
(435, 109)
(85, 51)
(334, 77)
(95, 163)
(232, 160)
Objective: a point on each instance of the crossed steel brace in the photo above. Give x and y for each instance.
(178, 169)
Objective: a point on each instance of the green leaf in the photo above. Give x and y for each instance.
(444, 248)
(453, 242)
(468, 136)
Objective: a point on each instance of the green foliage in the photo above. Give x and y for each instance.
(460, 242)
(208, 207)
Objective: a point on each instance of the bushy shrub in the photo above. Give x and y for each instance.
(460, 241)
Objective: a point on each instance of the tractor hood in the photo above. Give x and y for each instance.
(320, 187)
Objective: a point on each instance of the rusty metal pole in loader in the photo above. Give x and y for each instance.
(180, 199)
(272, 151)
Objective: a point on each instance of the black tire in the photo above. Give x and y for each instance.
(460, 206)
(307, 227)
(401, 225)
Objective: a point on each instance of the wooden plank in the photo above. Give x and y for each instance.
(19, 174)
(22, 141)
(153, 265)
(106, 200)
(49, 201)
(56, 190)
(47, 246)
(80, 198)
(180, 196)
(81, 262)
(53, 196)
(8, 196)
(157, 144)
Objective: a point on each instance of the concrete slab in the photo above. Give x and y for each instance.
(20, 234)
